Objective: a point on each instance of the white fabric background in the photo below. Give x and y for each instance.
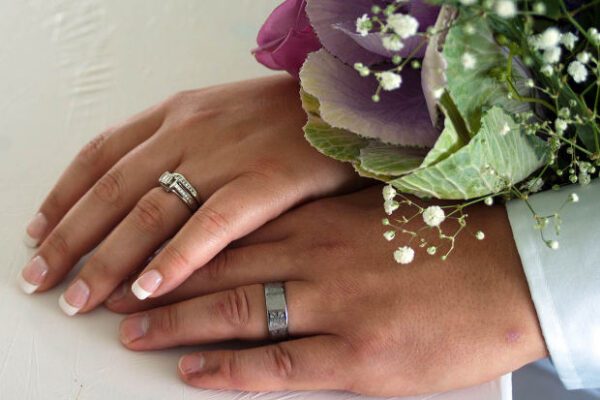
(68, 69)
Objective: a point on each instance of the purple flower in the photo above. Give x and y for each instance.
(286, 38)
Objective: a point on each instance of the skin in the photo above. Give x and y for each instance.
(358, 321)
(223, 139)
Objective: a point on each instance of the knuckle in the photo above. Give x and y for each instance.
(92, 151)
(211, 221)
(58, 244)
(169, 320)
(109, 188)
(279, 361)
(175, 258)
(231, 369)
(215, 269)
(266, 168)
(235, 308)
(149, 216)
(53, 203)
(98, 267)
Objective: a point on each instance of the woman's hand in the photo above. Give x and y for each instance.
(241, 145)
(361, 322)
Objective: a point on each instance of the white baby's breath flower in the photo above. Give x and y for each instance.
(362, 69)
(534, 185)
(389, 192)
(403, 25)
(505, 8)
(392, 43)
(568, 40)
(573, 198)
(480, 235)
(578, 71)
(552, 55)
(363, 25)
(549, 39)
(431, 250)
(530, 83)
(404, 255)
(539, 8)
(390, 206)
(594, 35)
(560, 125)
(553, 244)
(434, 215)
(389, 235)
(584, 57)
(505, 129)
(468, 60)
(489, 201)
(389, 80)
(547, 70)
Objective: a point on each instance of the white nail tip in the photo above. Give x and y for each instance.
(66, 307)
(30, 242)
(26, 287)
(139, 292)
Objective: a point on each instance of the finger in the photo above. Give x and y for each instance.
(315, 363)
(93, 161)
(154, 219)
(231, 268)
(238, 313)
(233, 211)
(98, 211)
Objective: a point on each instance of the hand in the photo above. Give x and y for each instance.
(241, 145)
(359, 321)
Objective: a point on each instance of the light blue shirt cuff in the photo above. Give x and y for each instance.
(565, 283)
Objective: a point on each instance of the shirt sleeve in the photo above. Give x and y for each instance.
(565, 283)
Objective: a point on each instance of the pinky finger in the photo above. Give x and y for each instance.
(315, 363)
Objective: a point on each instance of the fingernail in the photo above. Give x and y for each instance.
(146, 284)
(134, 327)
(191, 364)
(35, 230)
(33, 274)
(74, 298)
(118, 294)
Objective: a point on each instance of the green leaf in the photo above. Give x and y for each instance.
(382, 159)
(336, 143)
(447, 144)
(490, 163)
(477, 89)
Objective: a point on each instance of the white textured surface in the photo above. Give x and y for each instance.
(68, 69)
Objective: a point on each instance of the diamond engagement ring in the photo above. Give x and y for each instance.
(277, 312)
(176, 183)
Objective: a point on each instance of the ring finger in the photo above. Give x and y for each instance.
(238, 313)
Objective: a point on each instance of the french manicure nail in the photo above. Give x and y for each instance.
(134, 327)
(33, 275)
(35, 230)
(146, 284)
(74, 298)
(191, 364)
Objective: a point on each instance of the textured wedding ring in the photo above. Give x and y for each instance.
(277, 312)
(178, 184)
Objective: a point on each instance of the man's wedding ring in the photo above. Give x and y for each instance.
(277, 312)
(176, 183)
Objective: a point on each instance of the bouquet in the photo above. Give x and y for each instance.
(464, 100)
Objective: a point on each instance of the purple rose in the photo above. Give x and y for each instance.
(286, 38)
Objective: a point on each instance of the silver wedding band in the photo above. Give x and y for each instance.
(277, 312)
(173, 182)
